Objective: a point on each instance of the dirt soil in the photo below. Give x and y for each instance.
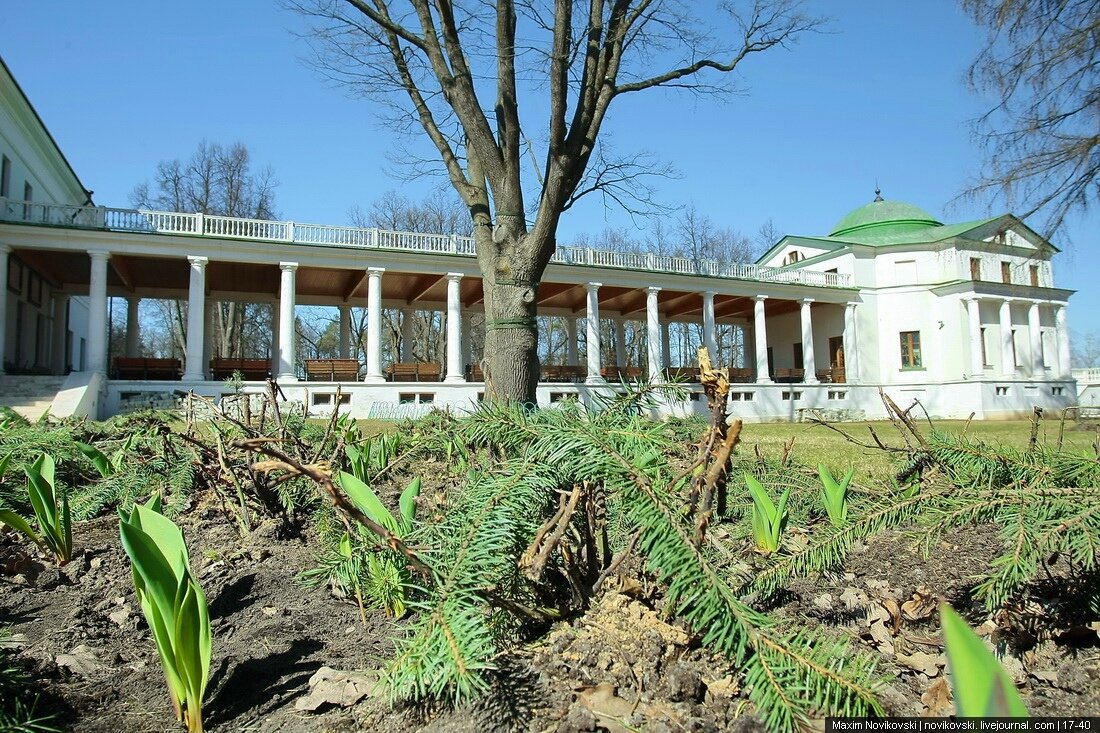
(619, 667)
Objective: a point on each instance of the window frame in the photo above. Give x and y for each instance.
(1006, 272)
(909, 343)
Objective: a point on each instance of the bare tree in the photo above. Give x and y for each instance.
(216, 180)
(1086, 350)
(1041, 63)
(568, 63)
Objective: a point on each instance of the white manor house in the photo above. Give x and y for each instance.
(964, 317)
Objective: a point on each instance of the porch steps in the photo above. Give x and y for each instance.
(30, 396)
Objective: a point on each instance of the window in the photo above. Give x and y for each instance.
(1015, 363)
(910, 350)
(5, 176)
(792, 395)
(833, 271)
(326, 398)
(1056, 391)
(1001, 391)
(985, 358)
(836, 352)
(975, 268)
(741, 396)
(798, 361)
(1006, 272)
(837, 394)
(1034, 276)
(794, 256)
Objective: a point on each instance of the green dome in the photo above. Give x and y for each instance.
(884, 218)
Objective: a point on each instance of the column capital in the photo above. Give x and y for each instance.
(759, 298)
(709, 293)
(198, 261)
(653, 289)
(375, 271)
(592, 287)
(4, 249)
(99, 254)
(288, 266)
(454, 276)
(805, 301)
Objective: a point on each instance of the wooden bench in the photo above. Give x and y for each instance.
(332, 370)
(682, 374)
(252, 370)
(738, 374)
(621, 373)
(561, 373)
(789, 376)
(414, 372)
(129, 367)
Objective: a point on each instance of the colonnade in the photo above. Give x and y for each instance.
(1009, 359)
(197, 349)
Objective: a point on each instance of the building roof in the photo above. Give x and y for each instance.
(884, 219)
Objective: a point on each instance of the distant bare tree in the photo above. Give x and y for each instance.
(436, 64)
(1041, 63)
(216, 180)
(1086, 350)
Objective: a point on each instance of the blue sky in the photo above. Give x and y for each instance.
(879, 97)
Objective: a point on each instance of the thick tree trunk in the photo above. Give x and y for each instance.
(511, 270)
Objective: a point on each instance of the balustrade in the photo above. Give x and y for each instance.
(171, 222)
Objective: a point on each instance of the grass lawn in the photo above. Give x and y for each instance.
(815, 444)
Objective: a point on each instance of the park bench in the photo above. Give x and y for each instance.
(251, 370)
(617, 373)
(130, 367)
(414, 372)
(739, 374)
(789, 376)
(332, 370)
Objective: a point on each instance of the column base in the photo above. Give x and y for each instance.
(454, 379)
(764, 381)
(374, 379)
(193, 377)
(286, 378)
(595, 380)
(811, 382)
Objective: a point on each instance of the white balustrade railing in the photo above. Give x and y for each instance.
(1087, 376)
(171, 222)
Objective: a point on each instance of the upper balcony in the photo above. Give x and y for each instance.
(289, 232)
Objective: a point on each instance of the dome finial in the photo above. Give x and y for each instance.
(878, 192)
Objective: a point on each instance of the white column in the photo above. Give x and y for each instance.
(5, 250)
(1062, 330)
(196, 320)
(345, 332)
(592, 317)
(1035, 335)
(1008, 367)
(851, 345)
(809, 363)
(97, 312)
(374, 324)
(408, 333)
(760, 338)
(274, 346)
(708, 328)
(974, 317)
(620, 341)
(666, 345)
(455, 372)
(467, 340)
(571, 357)
(133, 327)
(653, 334)
(287, 295)
(208, 336)
(60, 331)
